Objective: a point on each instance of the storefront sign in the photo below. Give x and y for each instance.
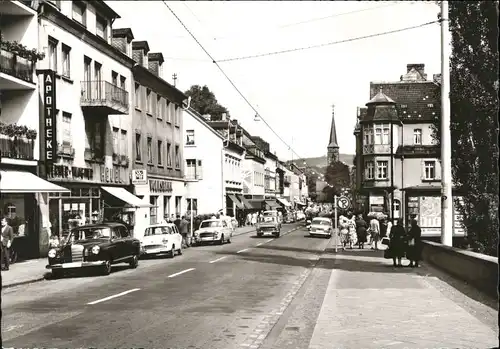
(376, 200)
(70, 173)
(49, 100)
(139, 177)
(115, 174)
(160, 186)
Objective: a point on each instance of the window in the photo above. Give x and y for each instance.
(66, 61)
(382, 134)
(385, 135)
(177, 157)
(150, 151)
(160, 153)
(116, 140)
(123, 82)
(417, 136)
(429, 170)
(189, 137)
(153, 200)
(166, 206)
(368, 135)
(138, 150)
(100, 27)
(124, 143)
(169, 155)
(404, 106)
(176, 114)
(66, 121)
(95, 136)
(53, 53)
(114, 78)
(369, 170)
(430, 105)
(378, 135)
(79, 12)
(159, 109)
(137, 95)
(168, 111)
(191, 168)
(382, 169)
(148, 101)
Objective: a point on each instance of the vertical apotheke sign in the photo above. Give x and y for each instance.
(49, 99)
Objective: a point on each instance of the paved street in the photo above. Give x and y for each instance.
(255, 293)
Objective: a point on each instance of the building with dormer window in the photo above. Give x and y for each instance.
(398, 168)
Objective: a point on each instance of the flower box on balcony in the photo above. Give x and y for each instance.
(65, 151)
(124, 160)
(116, 159)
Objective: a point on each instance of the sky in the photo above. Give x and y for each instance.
(293, 92)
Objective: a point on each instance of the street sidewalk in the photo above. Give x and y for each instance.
(33, 270)
(370, 304)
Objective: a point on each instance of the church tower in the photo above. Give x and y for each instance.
(333, 147)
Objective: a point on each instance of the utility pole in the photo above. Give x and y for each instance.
(174, 76)
(446, 177)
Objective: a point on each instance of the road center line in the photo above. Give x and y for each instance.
(245, 249)
(218, 259)
(113, 296)
(181, 272)
(268, 241)
(260, 243)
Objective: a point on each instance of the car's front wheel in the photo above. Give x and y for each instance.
(134, 262)
(106, 270)
(172, 252)
(221, 241)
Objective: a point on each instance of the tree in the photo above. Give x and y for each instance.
(474, 108)
(337, 175)
(204, 102)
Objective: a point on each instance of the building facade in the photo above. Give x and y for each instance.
(398, 164)
(158, 159)
(270, 188)
(90, 136)
(253, 174)
(21, 188)
(204, 150)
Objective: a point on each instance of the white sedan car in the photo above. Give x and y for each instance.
(213, 231)
(162, 239)
(321, 226)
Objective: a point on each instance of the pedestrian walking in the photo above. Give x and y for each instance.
(414, 244)
(397, 244)
(353, 238)
(183, 228)
(344, 232)
(361, 231)
(7, 239)
(374, 232)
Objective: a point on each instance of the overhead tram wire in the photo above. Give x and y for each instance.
(327, 43)
(230, 81)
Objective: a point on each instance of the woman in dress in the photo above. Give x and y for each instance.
(344, 232)
(414, 244)
(361, 231)
(397, 245)
(353, 239)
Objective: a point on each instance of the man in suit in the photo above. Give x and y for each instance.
(7, 238)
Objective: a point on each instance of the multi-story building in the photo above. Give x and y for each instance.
(204, 149)
(87, 130)
(234, 153)
(158, 160)
(253, 174)
(270, 176)
(398, 163)
(21, 188)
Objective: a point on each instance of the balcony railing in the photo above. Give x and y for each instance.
(16, 148)
(16, 66)
(105, 96)
(376, 149)
(419, 150)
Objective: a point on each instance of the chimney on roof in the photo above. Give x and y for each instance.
(419, 67)
(155, 63)
(436, 78)
(140, 50)
(121, 39)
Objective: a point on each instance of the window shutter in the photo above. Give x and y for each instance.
(437, 167)
(422, 171)
(199, 170)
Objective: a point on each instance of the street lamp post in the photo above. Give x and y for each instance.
(392, 171)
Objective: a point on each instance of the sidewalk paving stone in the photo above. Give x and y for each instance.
(370, 304)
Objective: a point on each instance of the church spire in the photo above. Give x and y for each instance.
(333, 146)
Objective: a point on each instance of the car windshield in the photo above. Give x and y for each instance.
(210, 224)
(83, 234)
(157, 231)
(320, 222)
(268, 219)
(269, 214)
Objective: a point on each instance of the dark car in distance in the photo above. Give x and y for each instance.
(95, 246)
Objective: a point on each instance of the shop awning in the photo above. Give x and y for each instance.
(126, 196)
(284, 202)
(235, 200)
(256, 204)
(26, 182)
(272, 204)
(250, 205)
(298, 202)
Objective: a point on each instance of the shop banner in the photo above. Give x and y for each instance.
(49, 129)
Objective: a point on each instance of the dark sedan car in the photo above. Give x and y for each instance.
(97, 246)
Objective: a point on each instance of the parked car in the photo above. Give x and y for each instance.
(321, 226)
(95, 246)
(269, 225)
(300, 215)
(161, 239)
(213, 231)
